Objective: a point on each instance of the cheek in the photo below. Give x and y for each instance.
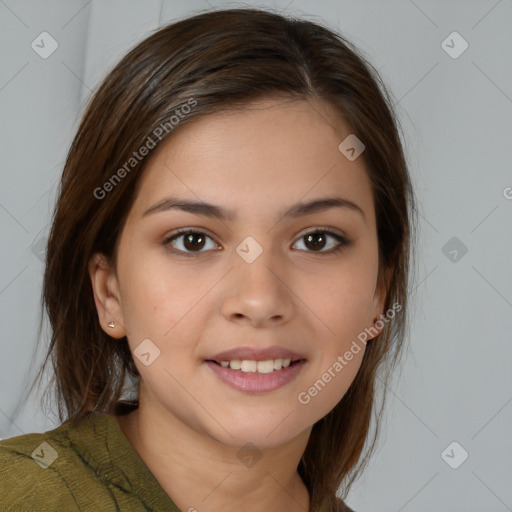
(157, 295)
(328, 385)
(340, 298)
(340, 302)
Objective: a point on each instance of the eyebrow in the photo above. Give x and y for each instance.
(218, 212)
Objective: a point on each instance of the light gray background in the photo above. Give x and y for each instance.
(457, 115)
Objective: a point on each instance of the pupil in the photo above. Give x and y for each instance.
(189, 241)
(315, 237)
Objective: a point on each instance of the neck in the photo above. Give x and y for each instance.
(199, 473)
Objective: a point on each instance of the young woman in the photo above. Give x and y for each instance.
(232, 234)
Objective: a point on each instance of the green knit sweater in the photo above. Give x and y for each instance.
(86, 466)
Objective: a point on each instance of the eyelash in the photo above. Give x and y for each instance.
(342, 241)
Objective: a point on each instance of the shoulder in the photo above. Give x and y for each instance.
(81, 465)
(40, 471)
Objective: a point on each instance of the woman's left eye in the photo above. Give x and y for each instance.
(188, 241)
(319, 238)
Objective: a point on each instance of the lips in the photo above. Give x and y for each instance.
(255, 382)
(254, 370)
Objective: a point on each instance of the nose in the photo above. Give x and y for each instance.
(259, 294)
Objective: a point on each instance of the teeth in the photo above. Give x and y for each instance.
(265, 366)
(250, 366)
(236, 364)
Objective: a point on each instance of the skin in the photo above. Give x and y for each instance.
(190, 425)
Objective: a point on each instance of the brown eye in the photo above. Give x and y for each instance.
(188, 242)
(315, 241)
(194, 241)
(318, 240)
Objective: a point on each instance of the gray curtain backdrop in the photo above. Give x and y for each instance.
(446, 444)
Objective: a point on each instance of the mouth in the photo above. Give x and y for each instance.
(256, 371)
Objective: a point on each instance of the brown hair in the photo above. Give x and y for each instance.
(222, 59)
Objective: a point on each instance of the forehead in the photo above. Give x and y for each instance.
(271, 152)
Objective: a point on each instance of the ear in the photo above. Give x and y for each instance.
(106, 295)
(379, 301)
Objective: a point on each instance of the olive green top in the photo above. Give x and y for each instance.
(85, 466)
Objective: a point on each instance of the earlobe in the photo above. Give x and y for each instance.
(106, 296)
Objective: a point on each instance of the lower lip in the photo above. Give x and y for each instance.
(253, 382)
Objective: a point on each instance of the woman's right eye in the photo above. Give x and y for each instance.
(187, 242)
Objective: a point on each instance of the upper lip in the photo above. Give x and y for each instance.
(256, 354)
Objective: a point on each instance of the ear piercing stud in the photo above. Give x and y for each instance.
(111, 324)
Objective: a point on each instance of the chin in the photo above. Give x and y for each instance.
(264, 434)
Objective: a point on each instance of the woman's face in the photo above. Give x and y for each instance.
(252, 280)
